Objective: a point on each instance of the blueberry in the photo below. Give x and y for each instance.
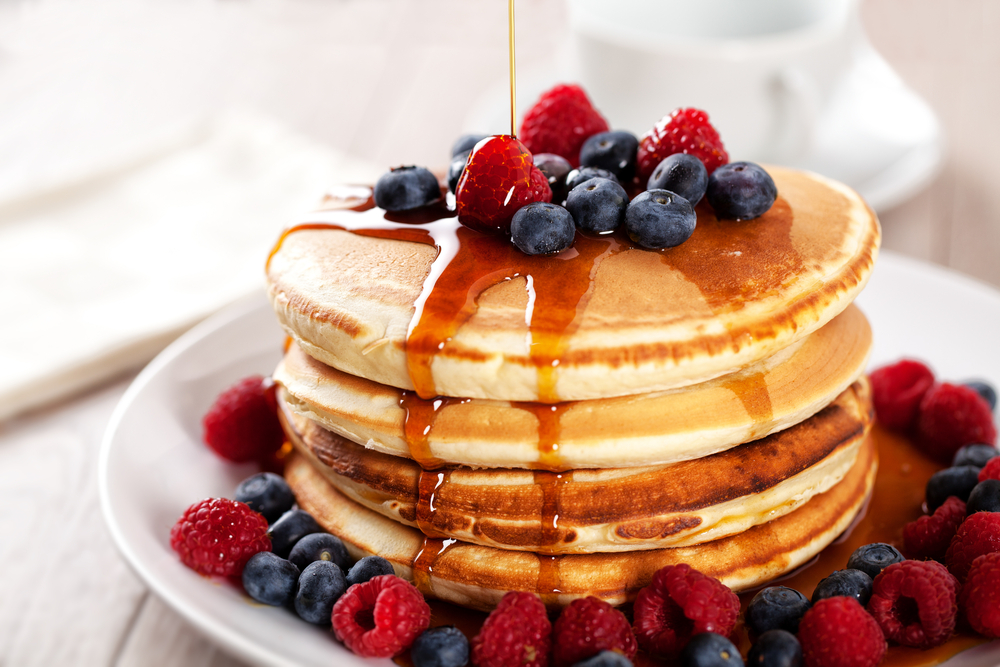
(266, 493)
(405, 188)
(605, 659)
(873, 558)
(844, 583)
(710, 650)
(319, 586)
(466, 142)
(775, 648)
(975, 455)
(456, 169)
(614, 151)
(597, 205)
(659, 219)
(985, 390)
(444, 646)
(542, 229)
(740, 191)
(556, 168)
(577, 176)
(681, 173)
(367, 568)
(955, 481)
(776, 608)
(985, 497)
(270, 579)
(289, 529)
(319, 546)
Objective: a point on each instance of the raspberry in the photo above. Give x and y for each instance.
(679, 603)
(381, 617)
(681, 131)
(980, 597)
(914, 603)
(517, 632)
(991, 470)
(897, 390)
(499, 178)
(217, 536)
(979, 534)
(951, 416)
(838, 632)
(588, 626)
(242, 425)
(929, 536)
(560, 121)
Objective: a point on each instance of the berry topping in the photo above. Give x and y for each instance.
(320, 546)
(289, 529)
(605, 659)
(456, 168)
(466, 143)
(443, 646)
(270, 579)
(614, 151)
(844, 583)
(560, 121)
(682, 131)
(984, 498)
(381, 617)
(975, 455)
(242, 425)
(679, 603)
(660, 219)
(584, 174)
(897, 390)
(710, 650)
(517, 632)
(838, 632)
(873, 558)
(319, 587)
(985, 390)
(956, 481)
(929, 536)
(740, 191)
(542, 229)
(680, 173)
(266, 493)
(597, 205)
(776, 607)
(990, 471)
(914, 603)
(588, 626)
(555, 168)
(980, 599)
(499, 178)
(951, 416)
(367, 569)
(979, 534)
(217, 536)
(775, 648)
(406, 188)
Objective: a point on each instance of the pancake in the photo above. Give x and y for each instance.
(477, 576)
(648, 429)
(606, 510)
(442, 310)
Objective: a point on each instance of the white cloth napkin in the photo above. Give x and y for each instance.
(98, 275)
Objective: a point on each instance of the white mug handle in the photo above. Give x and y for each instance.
(799, 99)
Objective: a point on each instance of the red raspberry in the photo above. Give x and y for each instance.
(679, 603)
(242, 425)
(838, 632)
(217, 536)
(991, 470)
(560, 121)
(979, 534)
(588, 626)
(951, 416)
(980, 598)
(914, 603)
(929, 536)
(499, 178)
(381, 617)
(897, 390)
(681, 131)
(517, 632)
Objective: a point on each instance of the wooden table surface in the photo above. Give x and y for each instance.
(389, 80)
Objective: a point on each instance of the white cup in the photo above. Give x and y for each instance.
(763, 69)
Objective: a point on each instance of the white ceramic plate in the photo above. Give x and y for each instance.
(153, 465)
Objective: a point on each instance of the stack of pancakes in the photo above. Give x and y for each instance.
(568, 425)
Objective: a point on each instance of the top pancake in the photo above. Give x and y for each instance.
(602, 319)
